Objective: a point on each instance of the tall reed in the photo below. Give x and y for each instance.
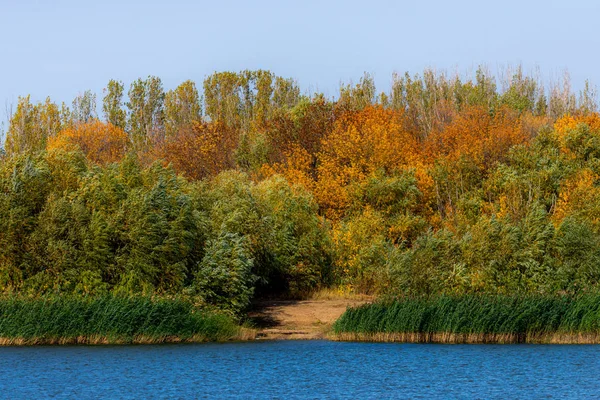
(108, 319)
(475, 318)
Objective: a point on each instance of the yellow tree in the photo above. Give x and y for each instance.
(565, 129)
(464, 151)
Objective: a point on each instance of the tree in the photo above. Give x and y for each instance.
(84, 108)
(295, 136)
(101, 142)
(360, 144)
(483, 138)
(146, 111)
(521, 92)
(203, 150)
(31, 125)
(562, 100)
(286, 93)
(248, 98)
(222, 97)
(112, 104)
(588, 98)
(182, 108)
(359, 96)
(224, 276)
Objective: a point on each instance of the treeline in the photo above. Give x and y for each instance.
(442, 185)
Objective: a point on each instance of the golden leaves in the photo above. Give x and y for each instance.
(101, 142)
(361, 143)
(477, 135)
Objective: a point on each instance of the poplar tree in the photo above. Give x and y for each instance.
(146, 110)
(222, 97)
(182, 108)
(31, 125)
(84, 108)
(112, 104)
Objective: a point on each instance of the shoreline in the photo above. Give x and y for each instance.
(310, 319)
(276, 320)
(468, 338)
(254, 336)
(244, 334)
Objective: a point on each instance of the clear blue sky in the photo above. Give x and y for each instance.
(59, 48)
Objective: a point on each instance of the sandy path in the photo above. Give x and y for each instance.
(307, 319)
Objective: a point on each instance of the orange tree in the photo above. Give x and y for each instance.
(360, 144)
(201, 151)
(101, 142)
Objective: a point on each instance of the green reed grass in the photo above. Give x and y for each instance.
(520, 316)
(108, 319)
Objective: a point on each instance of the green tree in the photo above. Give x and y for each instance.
(84, 108)
(224, 276)
(359, 96)
(521, 92)
(146, 110)
(182, 108)
(31, 125)
(222, 97)
(112, 104)
(240, 99)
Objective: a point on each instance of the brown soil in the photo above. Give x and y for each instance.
(305, 319)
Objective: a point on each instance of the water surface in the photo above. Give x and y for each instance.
(301, 369)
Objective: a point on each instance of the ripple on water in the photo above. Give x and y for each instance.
(301, 369)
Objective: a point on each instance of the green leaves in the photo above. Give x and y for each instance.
(146, 111)
(248, 97)
(224, 276)
(112, 104)
(69, 226)
(31, 126)
(286, 239)
(182, 108)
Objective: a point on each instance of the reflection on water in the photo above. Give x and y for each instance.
(301, 369)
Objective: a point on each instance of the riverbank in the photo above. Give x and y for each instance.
(465, 319)
(466, 338)
(299, 319)
(114, 320)
(474, 319)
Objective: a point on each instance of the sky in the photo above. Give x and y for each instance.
(60, 48)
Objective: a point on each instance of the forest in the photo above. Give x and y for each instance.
(248, 187)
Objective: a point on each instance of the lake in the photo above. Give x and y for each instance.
(301, 369)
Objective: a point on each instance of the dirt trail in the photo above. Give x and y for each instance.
(305, 319)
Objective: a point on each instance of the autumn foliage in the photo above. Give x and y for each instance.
(199, 151)
(101, 142)
(360, 144)
(441, 185)
(479, 135)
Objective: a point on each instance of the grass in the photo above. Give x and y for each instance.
(109, 320)
(475, 319)
(335, 293)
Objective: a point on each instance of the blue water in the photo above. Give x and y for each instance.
(300, 369)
